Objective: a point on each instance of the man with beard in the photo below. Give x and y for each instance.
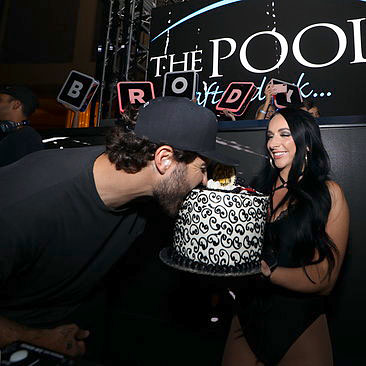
(68, 215)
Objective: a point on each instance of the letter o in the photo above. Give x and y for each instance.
(183, 88)
(284, 51)
(341, 38)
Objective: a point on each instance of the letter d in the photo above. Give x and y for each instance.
(234, 96)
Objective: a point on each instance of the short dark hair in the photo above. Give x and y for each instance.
(131, 153)
(27, 111)
(24, 95)
(308, 104)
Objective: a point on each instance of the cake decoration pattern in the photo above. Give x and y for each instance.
(219, 232)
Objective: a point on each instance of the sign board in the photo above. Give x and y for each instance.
(77, 91)
(319, 46)
(181, 84)
(134, 93)
(237, 97)
(287, 94)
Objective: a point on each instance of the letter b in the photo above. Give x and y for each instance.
(74, 91)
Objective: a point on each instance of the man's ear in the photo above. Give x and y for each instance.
(164, 158)
(16, 104)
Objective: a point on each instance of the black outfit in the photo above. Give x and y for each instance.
(273, 317)
(18, 143)
(57, 238)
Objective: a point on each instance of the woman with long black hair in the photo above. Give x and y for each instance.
(281, 320)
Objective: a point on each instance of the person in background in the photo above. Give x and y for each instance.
(17, 138)
(309, 106)
(281, 318)
(267, 109)
(128, 117)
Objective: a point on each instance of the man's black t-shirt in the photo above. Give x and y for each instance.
(57, 238)
(19, 143)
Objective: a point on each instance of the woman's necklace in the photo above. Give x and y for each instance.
(283, 185)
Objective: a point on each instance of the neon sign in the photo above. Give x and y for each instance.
(323, 55)
(192, 58)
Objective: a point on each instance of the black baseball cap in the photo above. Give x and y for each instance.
(24, 95)
(182, 124)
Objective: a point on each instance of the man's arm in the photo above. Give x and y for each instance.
(66, 339)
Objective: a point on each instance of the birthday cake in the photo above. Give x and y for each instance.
(219, 231)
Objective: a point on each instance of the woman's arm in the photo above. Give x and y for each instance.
(262, 110)
(337, 228)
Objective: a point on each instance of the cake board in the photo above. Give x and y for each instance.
(171, 258)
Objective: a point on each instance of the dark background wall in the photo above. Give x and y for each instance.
(41, 41)
(46, 35)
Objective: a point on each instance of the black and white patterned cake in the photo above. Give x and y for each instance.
(220, 231)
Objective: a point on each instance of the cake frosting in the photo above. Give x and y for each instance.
(222, 230)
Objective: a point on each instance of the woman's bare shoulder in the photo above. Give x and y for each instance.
(335, 190)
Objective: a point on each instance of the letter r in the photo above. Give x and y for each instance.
(136, 95)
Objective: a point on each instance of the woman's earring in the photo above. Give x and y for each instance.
(306, 160)
(271, 162)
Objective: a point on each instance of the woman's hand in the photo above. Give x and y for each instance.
(266, 271)
(268, 92)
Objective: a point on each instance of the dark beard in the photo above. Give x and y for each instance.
(171, 193)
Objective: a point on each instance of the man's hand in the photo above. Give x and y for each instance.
(66, 339)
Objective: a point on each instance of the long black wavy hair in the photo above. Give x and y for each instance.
(308, 195)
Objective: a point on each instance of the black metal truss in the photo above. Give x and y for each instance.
(126, 48)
